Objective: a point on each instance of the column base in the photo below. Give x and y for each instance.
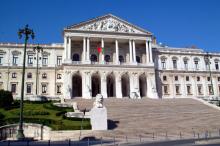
(86, 62)
(153, 95)
(69, 61)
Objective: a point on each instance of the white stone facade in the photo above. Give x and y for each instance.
(132, 65)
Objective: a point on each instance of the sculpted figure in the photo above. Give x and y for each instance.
(98, 101)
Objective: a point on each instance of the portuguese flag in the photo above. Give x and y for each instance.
(100, 49)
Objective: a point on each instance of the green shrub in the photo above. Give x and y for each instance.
(61, 113)
(2, 116)
(34, 113)
(6, 99)
(53, 107)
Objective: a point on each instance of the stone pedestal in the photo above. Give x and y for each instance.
(99, 118)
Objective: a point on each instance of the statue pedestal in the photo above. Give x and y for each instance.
(98, 118)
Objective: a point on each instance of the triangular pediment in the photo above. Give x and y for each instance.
(108, 23)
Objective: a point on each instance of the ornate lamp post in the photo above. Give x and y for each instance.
(207, 59)
(37, 49)
(26, 32)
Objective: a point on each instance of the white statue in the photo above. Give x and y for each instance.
(98, 101)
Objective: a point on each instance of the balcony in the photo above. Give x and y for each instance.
(104, 63)
(188, 69)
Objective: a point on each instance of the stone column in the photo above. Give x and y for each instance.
(86, 85)
(118, 85)
(147, 53)
(116, 52)
(134, 52)
(84, 49)
(135, 81)
(68, 85)
(69, 49)
(150, 52)
(131, 81)
(151, 86)
(88, 50)
(65, 48)
(102, 45)
(103, 85)
(130, 52)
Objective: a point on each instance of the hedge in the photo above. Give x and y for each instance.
(6, 99)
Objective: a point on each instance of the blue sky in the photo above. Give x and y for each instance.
(177, 23)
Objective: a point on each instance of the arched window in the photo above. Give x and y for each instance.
(185, 61)
(44, 76)
(107, 58)
(138, 59)
(163, 62)
(216, 64)
(93, 58)
(196, 62)
(174, 60)
(121, 59)
(76, 57)
(29, 75)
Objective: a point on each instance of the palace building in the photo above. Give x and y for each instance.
(113, 57)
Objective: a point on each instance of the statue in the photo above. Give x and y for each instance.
(98, 114)
(98, 101)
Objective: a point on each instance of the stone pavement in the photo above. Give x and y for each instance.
(156, 118)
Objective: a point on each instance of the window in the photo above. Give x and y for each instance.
(30, 59)
(164, 78)
(121, 59)
(58, 89)
(0, 75)
(44, 76)
(45, 60)
(187, 78)
(107, 58)
(15, 60)
(216, 65)
(199, 89)
(59, 60)
(210, 90)
(163, 63)
(76, 57)
(14, 75)
(174, 63)
(188, 87)
(198, 78)
(208, 79)
(1, 59)
(196, 62)
(13, 88)
(44, 88)
(29, 75)
(138, 59)
(165, 89)
(93, 58)
(177, 89)
(176, 78)
(58, 76)
(185, 61)
(29, 88)
(218, 79)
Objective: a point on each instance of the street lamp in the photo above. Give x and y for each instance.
(207, 60)
(37, 49)
(26, 32)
